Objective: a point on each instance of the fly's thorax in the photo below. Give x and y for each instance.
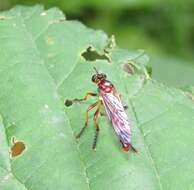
(105, 86)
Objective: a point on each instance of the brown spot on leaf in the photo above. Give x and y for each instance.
(17, 148)
(128, 68)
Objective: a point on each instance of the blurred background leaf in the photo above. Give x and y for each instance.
(165, 29)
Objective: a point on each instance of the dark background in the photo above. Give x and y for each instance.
(165, 29)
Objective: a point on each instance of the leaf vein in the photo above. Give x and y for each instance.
(147, 148)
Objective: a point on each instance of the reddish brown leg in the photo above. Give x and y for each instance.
(86, 119)
(85, 97)
(70, 102)
(96, 114)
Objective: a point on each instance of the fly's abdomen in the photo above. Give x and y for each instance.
(118, 118)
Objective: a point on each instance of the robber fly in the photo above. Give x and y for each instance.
(110, 100)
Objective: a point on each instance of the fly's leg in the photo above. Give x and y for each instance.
(85, 97)
(96, 114)
(70, 102)
(86, 119)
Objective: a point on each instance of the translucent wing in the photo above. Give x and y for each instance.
(118, 117)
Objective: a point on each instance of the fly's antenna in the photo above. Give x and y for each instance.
(95, 70)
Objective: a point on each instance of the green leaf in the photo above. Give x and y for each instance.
(164, 68)
(41, 66)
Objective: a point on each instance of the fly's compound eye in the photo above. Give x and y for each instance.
(93, 78)
(104, 76)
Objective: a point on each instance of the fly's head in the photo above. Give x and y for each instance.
(97, 78)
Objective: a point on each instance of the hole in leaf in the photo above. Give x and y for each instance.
(131, 69)
(17, 147)
(91, 55)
